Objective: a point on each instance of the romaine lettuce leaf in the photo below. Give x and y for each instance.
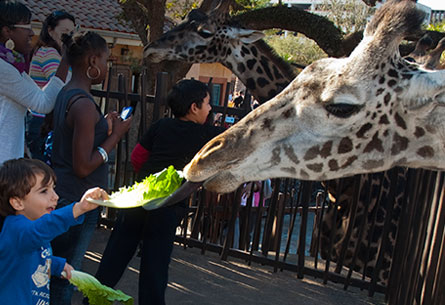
(97, 293)
(155, 186)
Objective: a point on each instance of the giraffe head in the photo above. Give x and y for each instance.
(339, 117)
(213, 38)
(201, 38)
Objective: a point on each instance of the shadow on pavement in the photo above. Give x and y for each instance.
(205, 279)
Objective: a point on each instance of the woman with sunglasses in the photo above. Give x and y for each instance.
(46, 58)
(18, 91)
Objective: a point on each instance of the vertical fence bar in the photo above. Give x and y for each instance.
(305, 199)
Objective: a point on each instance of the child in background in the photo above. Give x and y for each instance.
(28, 222)
(169, 141)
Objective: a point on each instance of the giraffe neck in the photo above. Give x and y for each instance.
(262, 72)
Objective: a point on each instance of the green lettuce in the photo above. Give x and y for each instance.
(97, 293)
(155, 186)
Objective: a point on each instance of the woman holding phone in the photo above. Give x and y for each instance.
(83, 138)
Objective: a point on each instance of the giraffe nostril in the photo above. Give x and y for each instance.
(211, 147)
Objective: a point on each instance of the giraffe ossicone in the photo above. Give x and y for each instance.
(340, 117)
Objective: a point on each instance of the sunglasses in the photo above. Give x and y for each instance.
(23, 26)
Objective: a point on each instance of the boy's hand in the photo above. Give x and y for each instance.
(66, 273)
(84, 205)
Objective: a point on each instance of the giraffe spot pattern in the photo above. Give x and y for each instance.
(251, 63)
(262, 82)
(345, 145)
(399, 144)
(304, 174)
(372, 164)
(400, 121)
(315, 167)
(275, 159)
(365, 128)
(333, 165)
(290, 153)
(384, 120)
(289, 113)
(250, 83)
(387, 98)
(267, 124)
(420, 132)
(374, 144)
(349, 161)
(393, 73)
(241, 68)
(290, 170)
(392, 83)
(426, 152)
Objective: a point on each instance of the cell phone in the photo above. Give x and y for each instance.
(126, 112)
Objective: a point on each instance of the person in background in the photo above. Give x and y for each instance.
(45, 61)
(28, 222)
(18, 92)
(83, 138)
(169, 141)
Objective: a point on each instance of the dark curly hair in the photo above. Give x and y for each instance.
(83, 44)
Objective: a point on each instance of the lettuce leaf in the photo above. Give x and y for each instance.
(155, 186)
(97, 293)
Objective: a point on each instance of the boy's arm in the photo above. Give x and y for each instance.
(41, 231)
(57, 265)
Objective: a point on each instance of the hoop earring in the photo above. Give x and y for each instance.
(10, 44)
(89, 75)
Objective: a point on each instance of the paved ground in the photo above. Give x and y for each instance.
(205, 279)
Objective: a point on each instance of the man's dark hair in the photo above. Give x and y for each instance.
(13, 12)
(18, 177)
(184, 94)
(50, 23)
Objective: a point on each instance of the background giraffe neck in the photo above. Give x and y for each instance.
(261, 70)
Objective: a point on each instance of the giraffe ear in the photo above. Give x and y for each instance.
(248, 36)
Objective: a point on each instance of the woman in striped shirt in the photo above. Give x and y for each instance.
(45, 61)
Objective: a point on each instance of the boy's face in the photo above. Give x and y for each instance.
(42, 199)
(203, 112)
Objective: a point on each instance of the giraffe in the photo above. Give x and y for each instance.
(180, 44)
(209, 38)
(365, 113)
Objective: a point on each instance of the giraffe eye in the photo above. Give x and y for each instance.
(205, 34)
(342, 110)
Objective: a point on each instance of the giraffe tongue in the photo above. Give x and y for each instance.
(181, 193)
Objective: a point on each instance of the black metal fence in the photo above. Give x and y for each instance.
(381, 232)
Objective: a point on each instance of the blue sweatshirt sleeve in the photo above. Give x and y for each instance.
(41, 231)
(57, 265)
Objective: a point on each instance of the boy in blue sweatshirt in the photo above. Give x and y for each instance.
(28, 222)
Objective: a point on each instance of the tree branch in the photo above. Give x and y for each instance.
(328, 37)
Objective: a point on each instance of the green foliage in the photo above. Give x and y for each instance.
(295, 49)
(178, 9)
(252, 4)
(349, 15)
(438, 27)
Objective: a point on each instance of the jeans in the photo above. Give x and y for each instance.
(71, 245)
(156, 229)
(34, 139)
